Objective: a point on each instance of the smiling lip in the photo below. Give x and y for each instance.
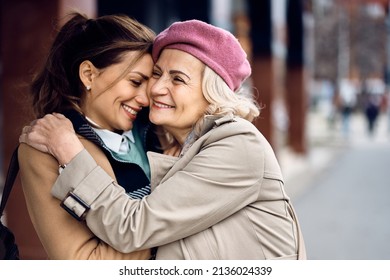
(162, 105)
(131, 112)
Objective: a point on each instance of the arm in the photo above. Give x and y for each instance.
(210, 187)
(61, 235)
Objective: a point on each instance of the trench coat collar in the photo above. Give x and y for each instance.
(209, 122)
(160, 164)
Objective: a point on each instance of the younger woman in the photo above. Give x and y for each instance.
(96, 74)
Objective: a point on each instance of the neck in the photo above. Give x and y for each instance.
(179, 135)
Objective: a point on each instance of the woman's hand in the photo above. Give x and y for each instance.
(53, 134)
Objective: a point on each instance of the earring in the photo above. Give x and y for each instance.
(88, 88)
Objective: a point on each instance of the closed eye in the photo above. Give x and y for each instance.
(178, 79)
(156, 74)
(136, 83)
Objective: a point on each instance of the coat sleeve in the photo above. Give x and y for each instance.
(61, 235)
(217, 182)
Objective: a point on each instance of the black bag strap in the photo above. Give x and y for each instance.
(13, 169)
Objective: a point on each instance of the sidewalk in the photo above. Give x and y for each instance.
(325, 144)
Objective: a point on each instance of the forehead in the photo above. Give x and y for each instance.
(129, 60)
(145, 64)
(122, 71)
(179, 60)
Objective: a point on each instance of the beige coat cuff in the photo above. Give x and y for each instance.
(80, 177)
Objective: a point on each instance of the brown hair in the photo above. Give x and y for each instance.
(103, 41)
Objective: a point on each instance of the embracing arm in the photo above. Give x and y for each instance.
(216, 183)
(62, 236)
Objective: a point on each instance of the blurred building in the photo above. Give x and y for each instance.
(350, 42)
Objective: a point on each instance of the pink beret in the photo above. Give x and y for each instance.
(214, 46)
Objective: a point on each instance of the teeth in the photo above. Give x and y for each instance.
(163, 105)
(128, 109)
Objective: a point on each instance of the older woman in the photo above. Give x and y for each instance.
(221, 196)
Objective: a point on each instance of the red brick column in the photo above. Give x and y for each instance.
(295, 83)
(263, 73)
(26, 33)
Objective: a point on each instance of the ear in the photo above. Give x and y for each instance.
(87, 73)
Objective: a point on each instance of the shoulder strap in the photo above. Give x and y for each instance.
(13, 169)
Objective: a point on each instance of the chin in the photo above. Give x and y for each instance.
(154, 120)
(126, 127)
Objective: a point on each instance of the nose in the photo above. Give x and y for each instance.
(142, 98)
(158, 86)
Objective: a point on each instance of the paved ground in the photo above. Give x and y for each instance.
(341, 191)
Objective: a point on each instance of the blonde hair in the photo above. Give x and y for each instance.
(224, 101)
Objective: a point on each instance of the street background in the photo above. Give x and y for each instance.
(341, 190)
(320, 70)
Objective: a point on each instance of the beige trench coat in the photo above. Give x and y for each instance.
(224, 199)
(62, 236)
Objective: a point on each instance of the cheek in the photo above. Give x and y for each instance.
(107, 104)
(149, 87)
(201, 106)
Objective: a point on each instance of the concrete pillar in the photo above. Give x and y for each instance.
(25, 39)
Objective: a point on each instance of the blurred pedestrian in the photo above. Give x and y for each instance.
(372, 101)
(347, 91)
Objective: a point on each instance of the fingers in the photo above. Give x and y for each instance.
(23, 138)
(60, 116)
(35, 137)
(48, 122)
(45, 133)
(25, 135)
(26, 129)
(49, 118)
(55, 120)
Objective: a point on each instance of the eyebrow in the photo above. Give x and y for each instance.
(141, 74)
(174, 72)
